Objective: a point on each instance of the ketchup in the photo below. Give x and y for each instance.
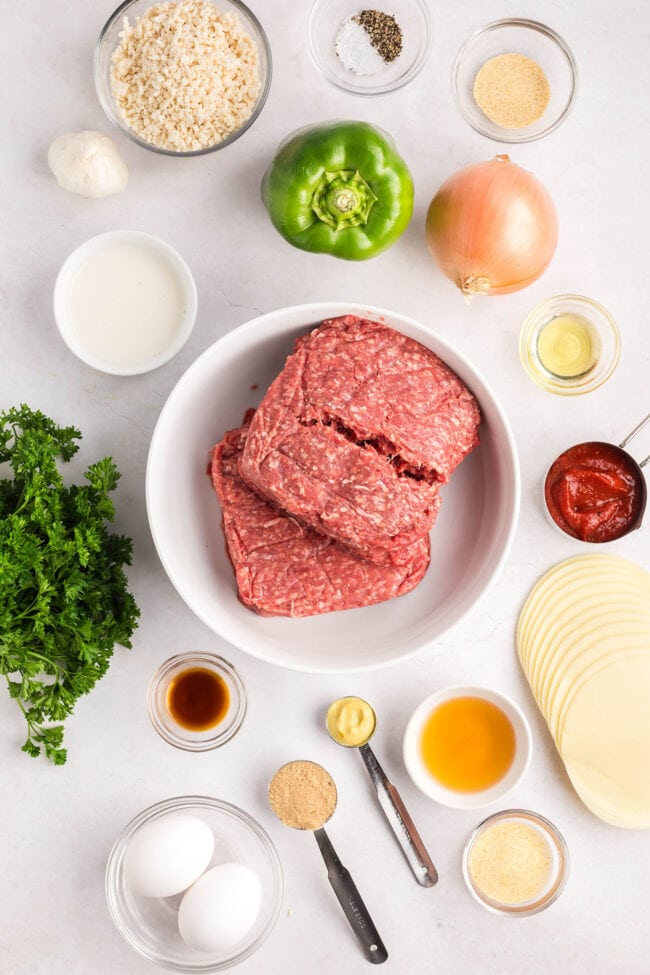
(594, 492)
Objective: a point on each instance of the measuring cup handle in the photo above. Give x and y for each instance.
(400, 821)
(350, 900)
(633, 434)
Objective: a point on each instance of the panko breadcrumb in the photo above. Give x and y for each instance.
(184, 76)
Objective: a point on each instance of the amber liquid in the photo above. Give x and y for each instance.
(198, 699)
(468, 744)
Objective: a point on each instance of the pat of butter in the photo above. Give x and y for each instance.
(350, 721)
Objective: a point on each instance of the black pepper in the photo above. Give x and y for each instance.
(384, 32)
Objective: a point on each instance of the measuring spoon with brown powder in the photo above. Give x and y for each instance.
(303, 796)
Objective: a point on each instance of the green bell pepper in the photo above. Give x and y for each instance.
(339, 188)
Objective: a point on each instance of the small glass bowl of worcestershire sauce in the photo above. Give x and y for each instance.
(196, 701)
(569, 345)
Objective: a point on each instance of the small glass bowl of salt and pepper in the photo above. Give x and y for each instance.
(369, 51)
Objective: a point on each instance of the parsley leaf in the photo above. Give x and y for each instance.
(64, 599)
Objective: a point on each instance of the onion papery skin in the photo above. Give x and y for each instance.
(492, 228)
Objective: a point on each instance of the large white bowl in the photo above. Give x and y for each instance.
(470, 540)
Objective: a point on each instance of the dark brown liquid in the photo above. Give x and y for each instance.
(198, 699)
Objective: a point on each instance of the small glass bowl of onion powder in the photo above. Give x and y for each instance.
(369, 48)
(515, 863)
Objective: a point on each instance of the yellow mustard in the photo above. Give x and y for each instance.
(350, 721)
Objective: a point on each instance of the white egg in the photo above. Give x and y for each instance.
(168, 854)
(219, 910)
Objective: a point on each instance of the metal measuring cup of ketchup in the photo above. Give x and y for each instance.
(596, 491)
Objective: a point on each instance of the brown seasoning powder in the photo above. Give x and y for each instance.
(302, 795)
(512, 91)
(510, 862)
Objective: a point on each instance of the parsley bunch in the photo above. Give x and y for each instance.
(64, 601)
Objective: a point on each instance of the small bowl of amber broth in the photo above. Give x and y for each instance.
(467, 746)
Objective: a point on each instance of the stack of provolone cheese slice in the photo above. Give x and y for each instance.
(583, 640)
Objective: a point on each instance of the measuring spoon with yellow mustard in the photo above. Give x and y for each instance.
(351, 722)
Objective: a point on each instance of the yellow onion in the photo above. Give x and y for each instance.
(492, 228)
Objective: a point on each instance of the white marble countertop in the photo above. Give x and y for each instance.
(58, 824)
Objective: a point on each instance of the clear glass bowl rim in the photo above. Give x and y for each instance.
(506, 910)
(113, 116)
(540, 29)
(351, 89)
(197, 658)
(174, 804)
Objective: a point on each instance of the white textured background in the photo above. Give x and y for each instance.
(58, 824)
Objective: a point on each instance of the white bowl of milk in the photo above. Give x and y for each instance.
(125, 302)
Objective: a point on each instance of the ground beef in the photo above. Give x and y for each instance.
(285, 569)
(357, 433)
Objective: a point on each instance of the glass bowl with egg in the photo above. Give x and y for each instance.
(514, 80)
(202, 103)
(194, 884)
(467, 746)
(515, 863)
(370, 51)
(569, 345)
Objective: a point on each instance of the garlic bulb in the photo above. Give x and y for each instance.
(87, 163)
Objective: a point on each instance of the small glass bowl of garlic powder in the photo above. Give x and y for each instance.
(514, 80)
(515, 863)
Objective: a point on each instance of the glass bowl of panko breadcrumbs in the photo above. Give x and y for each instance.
(184, 77)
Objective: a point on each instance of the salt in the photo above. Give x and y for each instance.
(353, 46)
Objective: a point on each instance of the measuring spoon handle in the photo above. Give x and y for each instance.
(400, 821)
(350, 900)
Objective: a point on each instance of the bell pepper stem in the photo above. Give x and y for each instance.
(343, 199)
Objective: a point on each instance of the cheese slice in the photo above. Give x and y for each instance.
(605, 741)
(583, 640)
(611, 642)
(576, 625)
(566, 585)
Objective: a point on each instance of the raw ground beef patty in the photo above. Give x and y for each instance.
(357, 433)
(285, 569)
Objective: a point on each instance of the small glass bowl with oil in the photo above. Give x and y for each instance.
(569, 345)
(196, 701)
